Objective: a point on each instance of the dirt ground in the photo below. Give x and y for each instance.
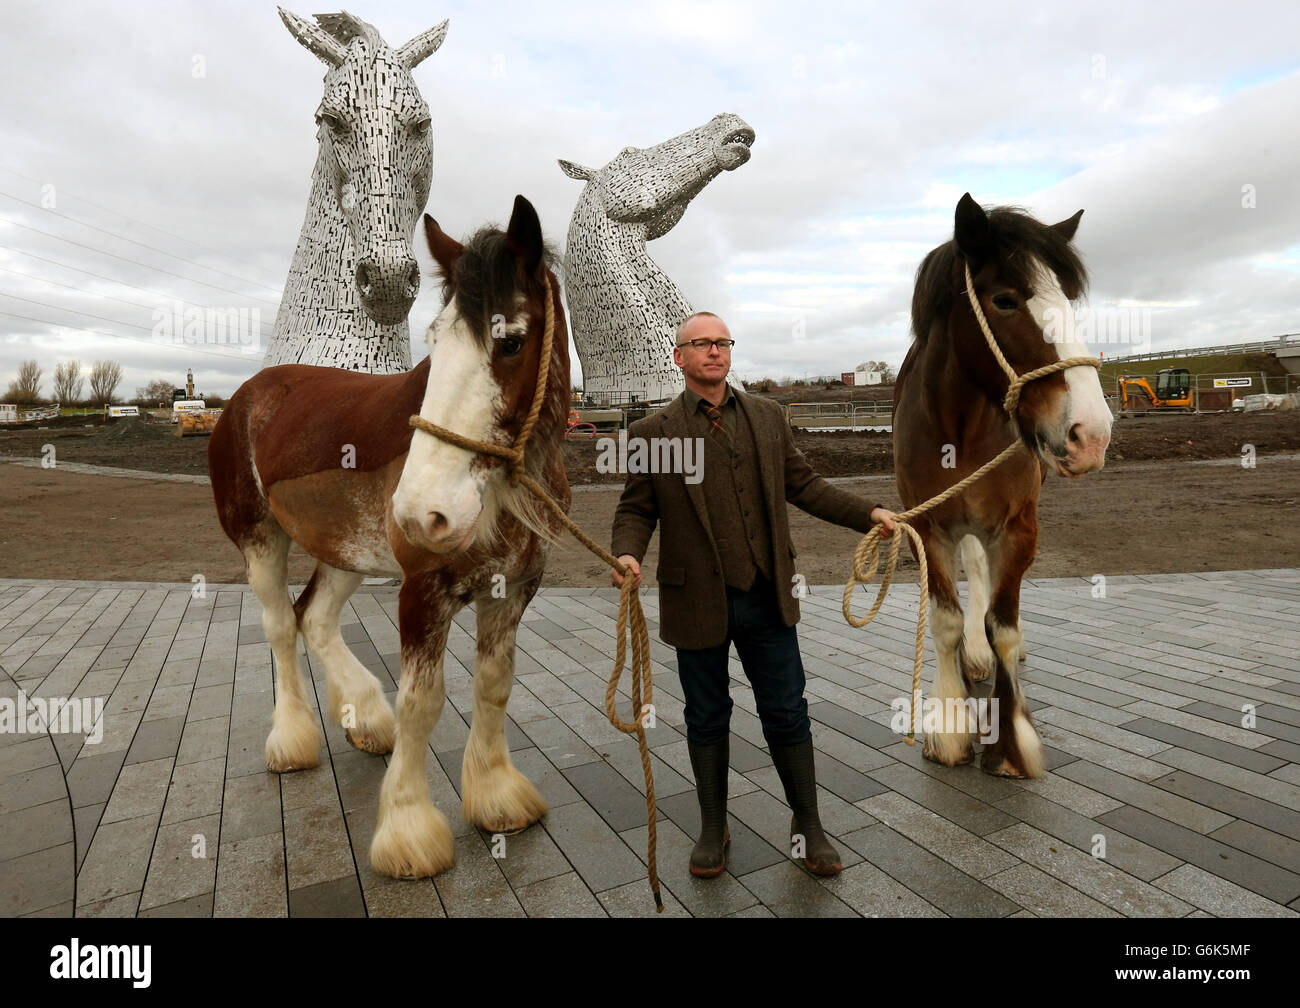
(1157, 507)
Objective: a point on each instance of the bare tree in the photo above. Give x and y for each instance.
(68, 382)
(26, 388)
(157, 391)
(105, 377)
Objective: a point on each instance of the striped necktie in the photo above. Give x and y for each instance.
(716, 428)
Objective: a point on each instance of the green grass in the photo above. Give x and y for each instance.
(1216, 364)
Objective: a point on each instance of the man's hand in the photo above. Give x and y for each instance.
(882, 516)
(616, 579)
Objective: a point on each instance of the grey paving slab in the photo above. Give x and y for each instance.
(1227, 862)
(1138, 705)
(250, 877)
(1154, 799)
(1218, 896)
(929, 876)
(1132, 855)
(938, 796)
(36, 881)
(477, 886)
(1272, 847)
(1090, 875)
(184, 862)
(715, 897)
(1250, 759)
(336, 898)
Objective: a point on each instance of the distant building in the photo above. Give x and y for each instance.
(866, 373)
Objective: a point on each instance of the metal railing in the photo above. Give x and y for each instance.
(1284, 342)
(869, 413)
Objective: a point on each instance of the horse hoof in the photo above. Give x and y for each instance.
(977, 670)
(413, 842)
(370, 742)
(292, 747)
(501, 800)
(934, 756)
(1001, 767)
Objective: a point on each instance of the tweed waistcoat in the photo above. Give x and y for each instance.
(737, 511)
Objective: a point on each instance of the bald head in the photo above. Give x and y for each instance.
(702, 325)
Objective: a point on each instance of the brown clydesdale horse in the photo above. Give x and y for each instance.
(326, 458)
(949, 420)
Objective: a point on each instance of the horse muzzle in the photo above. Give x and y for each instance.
(1082, 451)
(387, 287)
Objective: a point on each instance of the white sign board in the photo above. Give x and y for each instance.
(123, 411)
(1232, 382)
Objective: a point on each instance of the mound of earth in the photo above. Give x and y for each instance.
(136, 429)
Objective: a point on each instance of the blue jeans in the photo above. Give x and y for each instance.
(769, 654)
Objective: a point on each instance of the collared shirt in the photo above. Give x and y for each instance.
(694, 407)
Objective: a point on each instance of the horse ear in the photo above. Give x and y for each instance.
(1068, 227)
(422, 46)
(971, 232)
(576, 171)
(524, 235)
(444, 248)
(314, 38)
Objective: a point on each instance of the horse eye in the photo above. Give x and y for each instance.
(420, 128)
(332, 122)
(1005, 302)
(510, 346)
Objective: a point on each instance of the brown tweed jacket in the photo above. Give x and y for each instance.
(692, 595)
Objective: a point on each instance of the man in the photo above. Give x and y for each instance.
(726, 573)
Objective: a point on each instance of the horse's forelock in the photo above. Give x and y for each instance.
(1019, 242)
(483, 280)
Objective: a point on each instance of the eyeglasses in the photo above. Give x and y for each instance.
(704, 344)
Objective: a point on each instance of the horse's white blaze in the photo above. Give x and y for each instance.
(1085, 404)
(438, 477)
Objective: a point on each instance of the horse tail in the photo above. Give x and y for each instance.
(304, 598)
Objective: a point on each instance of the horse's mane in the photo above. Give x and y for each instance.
(483, 280)
(1018, 240)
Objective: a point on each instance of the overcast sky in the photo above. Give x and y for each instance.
(871, 122)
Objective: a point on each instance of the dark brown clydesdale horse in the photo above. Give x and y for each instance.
(949, 420)
(326, 458)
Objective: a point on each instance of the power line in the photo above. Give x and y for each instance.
(125, 217)
(133, 262)
(135, 339)
(108, 297)
(111, 280)
(144, 245)
(130, 339)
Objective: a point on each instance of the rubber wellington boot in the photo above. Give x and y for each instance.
(794, 764)
(709, 762)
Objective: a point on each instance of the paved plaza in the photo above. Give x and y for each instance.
(1169, 708)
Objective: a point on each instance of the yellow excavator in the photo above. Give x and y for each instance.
(1173, 392)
